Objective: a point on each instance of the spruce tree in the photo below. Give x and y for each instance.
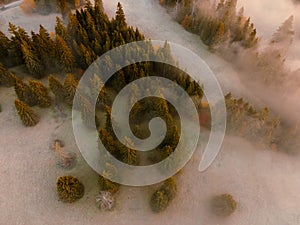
(19, 36)
(217, 38)
(7, 79)
(57, 88)
(85, 107)
(64, 8)
(41, 93)
(25, 93)
(70, 85)
(120, 18)
(4, 46)
(27, 115)
(61, 30)
(129, 156)
(32, 62)
(64, 54)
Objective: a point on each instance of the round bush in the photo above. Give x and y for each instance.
(159, 201)
(223, 205)
(69, 189)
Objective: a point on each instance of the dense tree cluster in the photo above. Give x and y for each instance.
(217, 24)
(245, 120)
(34, 93)
(71, 50)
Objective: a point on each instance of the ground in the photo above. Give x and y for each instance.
(264, 183)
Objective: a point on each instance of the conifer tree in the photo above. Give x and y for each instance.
(64, 54)
(129, 156)
(41, 93)
(44, 46)
(25, 93)
(70, 85)
(109, 142)
(61, 30)
(120, 17)
(6, 78)
(19, 36)
(64, 8)
(57, 88)
(217, 38)
(96, 84)
(85, 107)
(32, 62)
(99, 3)
(4, 46)
(27, 115)
(73, 26)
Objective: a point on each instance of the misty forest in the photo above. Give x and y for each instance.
(41, 68)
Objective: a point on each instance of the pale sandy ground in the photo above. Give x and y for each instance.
(265, 183)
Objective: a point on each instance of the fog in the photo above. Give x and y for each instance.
(267, 15)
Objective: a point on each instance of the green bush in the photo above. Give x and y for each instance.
(159, 201)
(162, 197)
(223, 205)
(69, 189)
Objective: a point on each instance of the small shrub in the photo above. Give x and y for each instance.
(170, 188)
(163, 196)
(159, 201)
(69, 189)
(223, 205)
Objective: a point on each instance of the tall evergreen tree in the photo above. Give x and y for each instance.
(6, 78)
(32, 62)
(57, 88)
(25, 93)
(70, 85)
(120, 19)
(64, 54)
(41, 93)
(27, 115)
(4, 47)
(61, 30)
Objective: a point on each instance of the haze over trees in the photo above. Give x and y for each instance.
(228, 32)
(217, 24)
